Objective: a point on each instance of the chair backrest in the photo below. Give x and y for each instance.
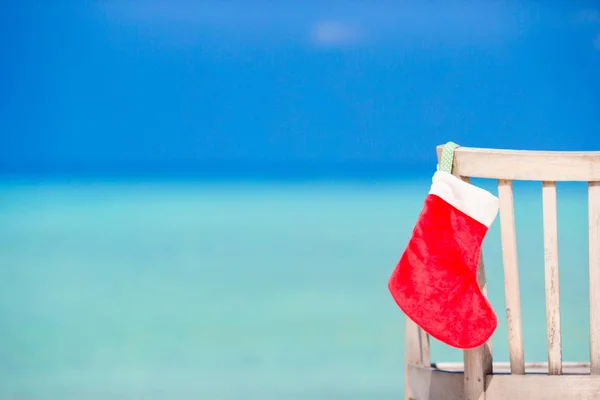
(548, 167)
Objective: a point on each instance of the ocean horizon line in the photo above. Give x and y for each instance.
(225, 171)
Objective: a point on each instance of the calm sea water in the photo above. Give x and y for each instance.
(240, 291)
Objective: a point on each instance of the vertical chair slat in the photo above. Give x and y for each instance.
(416, 351)
(594, 274)
(412, 352)
(551, 278)
(425, 351)
(478, 361)
(511, 277)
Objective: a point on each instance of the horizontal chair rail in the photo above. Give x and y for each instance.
(570, 367)
(430, 383)
(526, 165)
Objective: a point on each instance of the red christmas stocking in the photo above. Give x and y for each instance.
(435, 281)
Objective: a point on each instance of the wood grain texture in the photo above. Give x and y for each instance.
(553, 330)
(477, 361)
(543, 387)
(511, 277)
(594, 273)
(425, 350)
(526, 165)
(432, 384)
(502, 367)
(412, 352)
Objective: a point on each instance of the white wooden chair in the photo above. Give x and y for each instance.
(478, 377)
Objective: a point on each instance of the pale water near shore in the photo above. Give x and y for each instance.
(253, 291)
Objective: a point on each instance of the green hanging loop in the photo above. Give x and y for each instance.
(447, 157)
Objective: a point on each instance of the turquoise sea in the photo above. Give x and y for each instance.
(240, 290)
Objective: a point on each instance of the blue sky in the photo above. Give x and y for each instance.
(122, 84)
